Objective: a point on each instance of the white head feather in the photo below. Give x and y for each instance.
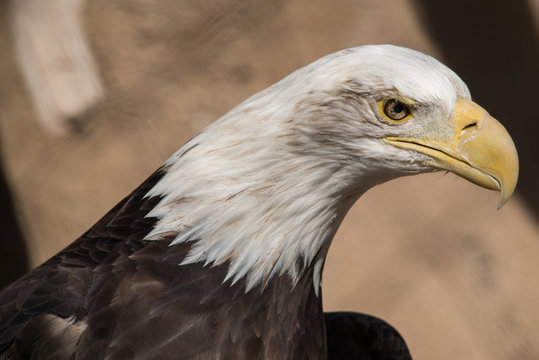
(266, 185)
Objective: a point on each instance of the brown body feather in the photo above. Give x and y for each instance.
(111, 295)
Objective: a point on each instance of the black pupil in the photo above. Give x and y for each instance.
(396, 110)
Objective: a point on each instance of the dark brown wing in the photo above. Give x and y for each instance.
(355, 336)
(47, 308)
(111, 295)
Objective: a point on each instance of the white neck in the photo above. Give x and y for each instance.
(264, 226)
(268, 184)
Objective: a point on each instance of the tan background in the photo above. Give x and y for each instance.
(430, 254)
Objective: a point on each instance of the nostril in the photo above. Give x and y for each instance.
(471, 126)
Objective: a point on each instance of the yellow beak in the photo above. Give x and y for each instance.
(479, 150)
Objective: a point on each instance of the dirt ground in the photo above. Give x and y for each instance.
(430, 254)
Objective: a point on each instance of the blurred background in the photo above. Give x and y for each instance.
(95, 95)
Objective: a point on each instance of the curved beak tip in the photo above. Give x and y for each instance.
(504, 198)
(508, 185)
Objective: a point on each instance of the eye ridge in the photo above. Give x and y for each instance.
(395, 109)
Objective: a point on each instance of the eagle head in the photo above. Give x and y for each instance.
(266, 186)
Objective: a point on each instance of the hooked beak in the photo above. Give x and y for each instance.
(480, 150)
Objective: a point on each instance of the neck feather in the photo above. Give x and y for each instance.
(266, 216)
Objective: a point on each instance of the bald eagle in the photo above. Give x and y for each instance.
(219, 253)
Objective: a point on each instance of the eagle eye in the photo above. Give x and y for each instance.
(395, 110)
